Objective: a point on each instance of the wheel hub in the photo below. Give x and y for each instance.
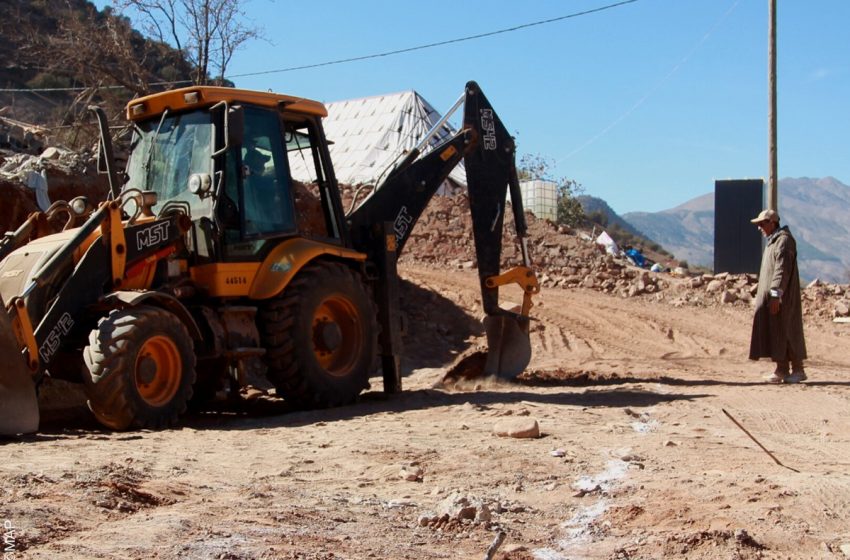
(147, 370)
(158, 370)
(337, 335)
(329, 336)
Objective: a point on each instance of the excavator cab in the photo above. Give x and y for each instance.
(238, 182)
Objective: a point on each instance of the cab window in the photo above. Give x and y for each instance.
(265, 195)
(166, 151)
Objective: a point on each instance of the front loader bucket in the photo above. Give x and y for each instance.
(508, 345)
(18, 401)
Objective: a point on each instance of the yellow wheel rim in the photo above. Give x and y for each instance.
(158, 370)
(337, 335)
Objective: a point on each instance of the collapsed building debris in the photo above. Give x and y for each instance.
(20, 137)
(31, 182)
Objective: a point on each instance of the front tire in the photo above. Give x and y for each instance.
(139, 368)
(321, 337)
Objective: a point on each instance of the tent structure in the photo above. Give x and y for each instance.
(370, 135)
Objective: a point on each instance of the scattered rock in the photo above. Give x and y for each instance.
(411, 473)
(393, 504)
(517, 428)
(459, 509)
(51, 153)
(631, 458)
(715, 286)
(582, 492)
(728, 297)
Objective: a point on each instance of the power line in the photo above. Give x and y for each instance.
(41, 90)
(438, 44)
(371, 56)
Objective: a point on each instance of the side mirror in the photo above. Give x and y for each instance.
(235, 125)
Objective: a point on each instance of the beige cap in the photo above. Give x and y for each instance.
(766, 216)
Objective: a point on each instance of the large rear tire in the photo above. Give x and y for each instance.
(321, 337)
(139, 368)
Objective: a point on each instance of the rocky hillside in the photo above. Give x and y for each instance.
(593, 205)
(68, 50)
(815, 209)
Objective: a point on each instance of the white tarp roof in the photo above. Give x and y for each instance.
(371, 134)
(610, 245)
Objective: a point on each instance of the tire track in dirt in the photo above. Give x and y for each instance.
(584, 329)
(614, 330)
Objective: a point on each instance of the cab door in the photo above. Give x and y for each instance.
(258, 187)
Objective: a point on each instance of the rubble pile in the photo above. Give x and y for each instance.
(827, 301)
(20, 137)
(564, 258)
(31, 182)
(724, 288)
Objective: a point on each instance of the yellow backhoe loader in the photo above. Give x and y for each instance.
(201, 270)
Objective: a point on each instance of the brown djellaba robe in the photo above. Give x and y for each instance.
(774, 335)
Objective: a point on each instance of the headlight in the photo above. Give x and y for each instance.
(80, 205)
(199, 183)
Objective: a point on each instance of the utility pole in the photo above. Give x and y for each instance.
(772, 200)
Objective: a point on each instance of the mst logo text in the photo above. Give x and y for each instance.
(152, 235)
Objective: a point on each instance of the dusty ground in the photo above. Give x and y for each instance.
(636, 458)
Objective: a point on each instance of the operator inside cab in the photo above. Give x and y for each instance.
(266, 185)
(254, 162)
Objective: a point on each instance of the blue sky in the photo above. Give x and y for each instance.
(645, 105)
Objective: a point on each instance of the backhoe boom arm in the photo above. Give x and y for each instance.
(488, 152)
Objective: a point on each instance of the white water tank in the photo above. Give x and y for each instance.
(540, 197)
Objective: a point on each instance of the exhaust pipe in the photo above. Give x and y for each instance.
(18, 399)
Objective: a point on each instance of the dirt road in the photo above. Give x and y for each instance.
(636, 457)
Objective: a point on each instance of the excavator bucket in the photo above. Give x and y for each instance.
(508, 345)
(18, 401)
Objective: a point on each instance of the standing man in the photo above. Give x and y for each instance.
(778, 320)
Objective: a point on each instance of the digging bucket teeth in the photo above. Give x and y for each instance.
(18, 400)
